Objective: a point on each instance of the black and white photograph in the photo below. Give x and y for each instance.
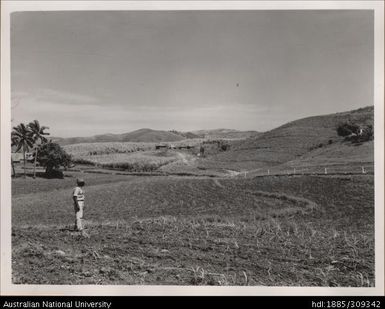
(226, 147)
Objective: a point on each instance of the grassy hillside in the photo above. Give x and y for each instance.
(296, 139)
(336, 154)
(104, 138)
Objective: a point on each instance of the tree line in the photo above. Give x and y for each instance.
(32, 136)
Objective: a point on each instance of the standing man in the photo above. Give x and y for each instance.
(78, 198)
(202, 151)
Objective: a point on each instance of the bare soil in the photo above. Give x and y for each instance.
(271, 231)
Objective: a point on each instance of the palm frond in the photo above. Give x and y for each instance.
(18, 147)
(29, 143)
(16, 135)
(38, 131)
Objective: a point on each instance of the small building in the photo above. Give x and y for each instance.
(29, 156)
(17, 157)
(185, 147)
(157, 147)
(361, 132)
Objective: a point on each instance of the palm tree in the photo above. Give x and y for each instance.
(13, 143)
(37, 136)
(22, 137)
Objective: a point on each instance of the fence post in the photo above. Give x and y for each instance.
(363, 170)
(326, 171)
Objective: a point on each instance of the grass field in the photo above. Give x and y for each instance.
(291, 231)
(135, 162)
(88, 149)
(132, 157)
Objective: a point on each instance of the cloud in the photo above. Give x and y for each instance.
(65, 97)
(74, 114)
(54, 97)
(65, 118)
(49, 106)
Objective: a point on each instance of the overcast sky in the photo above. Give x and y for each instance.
(86, 73)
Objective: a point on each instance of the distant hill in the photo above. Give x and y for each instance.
(141, 135)
(186, 135)
(89, 139)
(150, 136)
(298, 139)
(154, 136)
(225, 133)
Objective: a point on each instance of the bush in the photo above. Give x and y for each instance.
(83, 161)
(346, 129)
(366, 135)
(52, 157)
(54, 173)
(225, 147)
(355, 133)
(320, 145)
(134, 167)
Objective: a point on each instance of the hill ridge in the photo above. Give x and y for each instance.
(298, 138)
(154, 136)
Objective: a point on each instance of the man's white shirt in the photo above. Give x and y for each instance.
(79, 193)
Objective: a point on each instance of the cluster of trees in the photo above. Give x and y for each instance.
(187, 135)
(355, 133)
(32, 136)
(221, 144)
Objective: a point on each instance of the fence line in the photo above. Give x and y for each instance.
(321, 170)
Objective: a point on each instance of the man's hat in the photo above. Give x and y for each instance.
(80, 181)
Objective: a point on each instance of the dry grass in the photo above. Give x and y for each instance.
(89, 149)
(136, 162)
